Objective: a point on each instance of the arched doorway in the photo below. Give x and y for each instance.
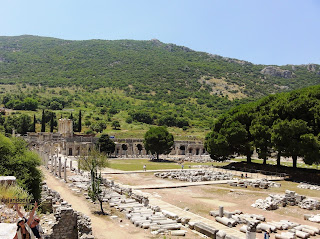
(139, 147)
(182, 150)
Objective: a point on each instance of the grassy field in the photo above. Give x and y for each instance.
(137, 164)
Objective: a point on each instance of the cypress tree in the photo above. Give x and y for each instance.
(43, 122)
(51, 123)
(79, 122)
(71, 116)
(34, 123)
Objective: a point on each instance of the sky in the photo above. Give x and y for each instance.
(273, 32)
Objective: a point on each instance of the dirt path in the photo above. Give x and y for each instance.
(103, 228)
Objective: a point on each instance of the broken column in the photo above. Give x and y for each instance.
(65, 169)
(220, 211)
(251, 230)
(59, 167)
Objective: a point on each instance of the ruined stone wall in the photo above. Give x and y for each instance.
(68, 224)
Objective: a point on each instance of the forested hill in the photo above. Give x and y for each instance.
(169, 79)
(143, 68)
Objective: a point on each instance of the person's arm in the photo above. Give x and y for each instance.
(32, 213)
(16, 236)
(18, 210)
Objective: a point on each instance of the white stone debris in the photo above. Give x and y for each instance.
(273, 201)
(313, 218)
(195, 175)
(309, 186)
(258, 183)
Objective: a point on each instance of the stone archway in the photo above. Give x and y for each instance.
(140, 148)
(182, 150)
(197, 151)
(124, 148)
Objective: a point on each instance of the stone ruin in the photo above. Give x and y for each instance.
(258, 183)
(137, 209)
(257, 223)
(195, 159)
(312, 218)
(273, 201)
(309, 186)
(8, 180)
(194, 175)
(67, 223)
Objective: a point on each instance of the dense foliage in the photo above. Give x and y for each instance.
(16, 160)
(158, 140)
(287, 123)
(166, 80)
(106, 145)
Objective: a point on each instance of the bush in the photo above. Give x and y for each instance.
(16, 160)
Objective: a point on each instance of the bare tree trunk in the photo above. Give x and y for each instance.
(279, 159)
(101, 208)
(294, 161)
(265, 160)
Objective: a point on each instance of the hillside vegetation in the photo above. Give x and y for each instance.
(136, 81)
(285, 123)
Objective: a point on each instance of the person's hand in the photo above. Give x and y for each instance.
(16, 206)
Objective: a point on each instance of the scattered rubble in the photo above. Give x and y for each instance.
(257, 224)
(309, 186)
(312, 218)
(273, 201)
(258, 183)
(195, 175)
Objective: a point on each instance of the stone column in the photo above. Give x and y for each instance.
(79, 165)
(59, 167)
(65, 169)
(51, 161)
(220, 211)
(55, 166)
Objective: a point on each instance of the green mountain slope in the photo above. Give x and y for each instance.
(147, 70)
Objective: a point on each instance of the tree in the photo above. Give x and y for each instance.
(287, 136)
(158, 140)
(24, 124)
(34, 123)
(43, 122)
(30, 104)
(16, 160)
(51, 122)
(79, 122)
(217, 146)
(116, 124)
(106, 145)
(55, 105)
(261, 132)
(93, 162)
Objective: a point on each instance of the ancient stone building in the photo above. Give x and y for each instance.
(135, 148)
(67, 143)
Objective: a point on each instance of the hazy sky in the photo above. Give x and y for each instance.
(260, 31)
